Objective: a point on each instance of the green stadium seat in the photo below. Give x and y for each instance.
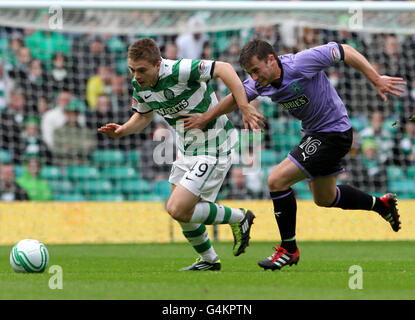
(388, 125)
(5, 156)
(291, 139)
(4, 44)
(144, 197)
(268, 109)
(277, 125)
(266, 173)
(133, 186)
(303, 191)
(94, 186)
(285, 126)
(18, 170)
(50, 173)
(305, 195)
(61, 186)
(410, 172)
(117, 197)
(284, 142)
(295, 127)
(395, 173)
(403, 188)
(162, 189)
(301, 186)
(133, 157)
(82, 173)
(108, 157)
(269, 157)
(119, 172)
(359, 123)
(222, 39)
(68, 197)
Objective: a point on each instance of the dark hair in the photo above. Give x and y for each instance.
(145, 49)
(60, 53)
(256, 47)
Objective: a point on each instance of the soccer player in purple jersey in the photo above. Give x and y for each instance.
(298, 83)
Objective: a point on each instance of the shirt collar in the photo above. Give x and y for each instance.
(277, 83)
(162, 69)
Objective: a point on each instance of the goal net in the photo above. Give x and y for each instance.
(63, 74)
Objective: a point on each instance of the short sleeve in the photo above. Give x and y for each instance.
(311, 61)
(202, 70)
(251, 91)
(138, 104)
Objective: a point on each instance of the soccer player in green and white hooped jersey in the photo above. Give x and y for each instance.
(173, 89)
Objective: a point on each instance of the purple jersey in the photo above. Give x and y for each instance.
(305, 91)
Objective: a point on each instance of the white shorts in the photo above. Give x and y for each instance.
(201, 175)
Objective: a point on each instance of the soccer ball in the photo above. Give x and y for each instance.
(29, 256)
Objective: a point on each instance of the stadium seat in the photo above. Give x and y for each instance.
(5, 156)
(144, 197)
(303, 191)
(410, 172)
(388, 125)
(68, 197)
(133, 186)
(302, 185)
(395, 173)
(82, 172)
(18, 170)
(50, 173)
(119, 172)
(268, 109)
(285, 126)
(305, 195)
(278, 125)
(284, 142)
(403, 188)
(269, 157)
(94, 186)
(133, 157)
(359, 123)
(296, 127)
(4, 45)
(162, 189)
(118, 197)
(108, 157)
(61, 186)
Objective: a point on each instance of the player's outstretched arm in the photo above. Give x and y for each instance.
(135, 124)
(251, 117)
(200, 120)
(384, 84)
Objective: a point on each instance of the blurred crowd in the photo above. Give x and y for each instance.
(56, 89)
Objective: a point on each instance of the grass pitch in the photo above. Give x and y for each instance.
(150, 271)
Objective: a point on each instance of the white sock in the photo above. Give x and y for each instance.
(198, 237)
(212, 213)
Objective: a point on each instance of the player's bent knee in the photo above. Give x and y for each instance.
(323, 202)
(173, 210)
(176, 212)
(275, 184)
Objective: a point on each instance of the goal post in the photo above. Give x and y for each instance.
(116, 16)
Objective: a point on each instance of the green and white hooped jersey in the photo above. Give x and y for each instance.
(182, 88)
